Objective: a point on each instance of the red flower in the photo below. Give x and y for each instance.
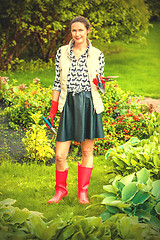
(126, 131)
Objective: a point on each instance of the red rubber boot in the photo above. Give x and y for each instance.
(84, 175)
(61, 186)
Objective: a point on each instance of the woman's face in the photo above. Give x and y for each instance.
(79, 32)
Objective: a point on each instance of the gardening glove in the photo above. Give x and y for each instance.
(100, 83)
(53, 111)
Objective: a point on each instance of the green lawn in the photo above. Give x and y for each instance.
(32, 185)
(136, 65)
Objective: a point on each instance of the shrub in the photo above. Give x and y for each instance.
(135, 195)
(24, 224)
(135, 154)
(36, 143)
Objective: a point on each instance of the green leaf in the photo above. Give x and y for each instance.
(157, 208)
(112, 209)
(8, 201)
(127, 179)
(38, 226)
(119, 204)
(108, 200)
(143, 214)
(140, 197)
(155, 223)
(79, 236)
(106, 215)
(129, 191)
(143, 175)
(156, 160)
(20, 216)
(110, 188)
(156, 189)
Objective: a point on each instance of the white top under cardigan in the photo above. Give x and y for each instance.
(67, 79)
(78, 76)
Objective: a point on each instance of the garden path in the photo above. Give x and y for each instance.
(154, 104)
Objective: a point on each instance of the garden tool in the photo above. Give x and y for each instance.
(49, 125)
(61, 186)
(84, 175)
(100, 81)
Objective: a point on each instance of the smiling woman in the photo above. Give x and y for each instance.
(77, 98)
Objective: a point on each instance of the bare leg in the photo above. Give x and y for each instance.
(85, 170)
(62, 149)
(87, 153)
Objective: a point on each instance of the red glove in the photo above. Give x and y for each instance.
(53, 111)
(95, 81)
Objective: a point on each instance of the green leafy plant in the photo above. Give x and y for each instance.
(24, 224)
(36, 143)
(135, 195)
(135, 154)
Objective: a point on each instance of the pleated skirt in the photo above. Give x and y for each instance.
(78, 120)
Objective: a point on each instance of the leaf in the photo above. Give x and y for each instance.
(106, 215)
(143, 214)
(79, 236)
(108, 200)
(110, 188)
(124, 227)
(38, 226)
(156, 189)
(129, 191)
(8, 201)
(127, 179)
(156, 161)
(20, 216)
(155, 223)
(119, 204)
(143, 175)
(140, 197)
(157, 208)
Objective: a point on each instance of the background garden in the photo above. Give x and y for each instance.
(125, 185)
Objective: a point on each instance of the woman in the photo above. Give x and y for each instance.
(77, 98)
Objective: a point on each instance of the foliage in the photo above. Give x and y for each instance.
(22, 101)
(154, 6)
(136, 154)
(135, 195)
(25, 224)
(123, 118)
(37, 145)
(39, 26)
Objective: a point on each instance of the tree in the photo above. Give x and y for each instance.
(46, 24)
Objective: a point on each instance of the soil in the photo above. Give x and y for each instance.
(11, 146)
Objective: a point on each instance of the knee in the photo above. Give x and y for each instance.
(87, 153)
(60, 158)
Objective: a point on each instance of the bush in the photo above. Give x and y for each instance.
(24, 224)
(134, 195)
(123, 118)
(135, 154)
(36, 143)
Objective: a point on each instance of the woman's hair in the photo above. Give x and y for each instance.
(82, 20)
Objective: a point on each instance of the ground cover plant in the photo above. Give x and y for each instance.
(25, 224)
(135, 195)
(136, 154)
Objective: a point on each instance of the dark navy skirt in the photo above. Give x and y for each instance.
(78, 120)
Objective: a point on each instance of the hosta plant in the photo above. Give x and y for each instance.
(37, 145)
(17, 224)
(134, 195)
(135, 154)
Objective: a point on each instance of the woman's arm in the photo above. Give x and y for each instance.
(55, 95)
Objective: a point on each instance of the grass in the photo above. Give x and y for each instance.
(136, 65)
(32, 185)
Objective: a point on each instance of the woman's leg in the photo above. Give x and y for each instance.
(87, 153)
(62, 149)
(85, 170)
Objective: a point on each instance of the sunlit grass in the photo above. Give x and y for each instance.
(32, 185)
